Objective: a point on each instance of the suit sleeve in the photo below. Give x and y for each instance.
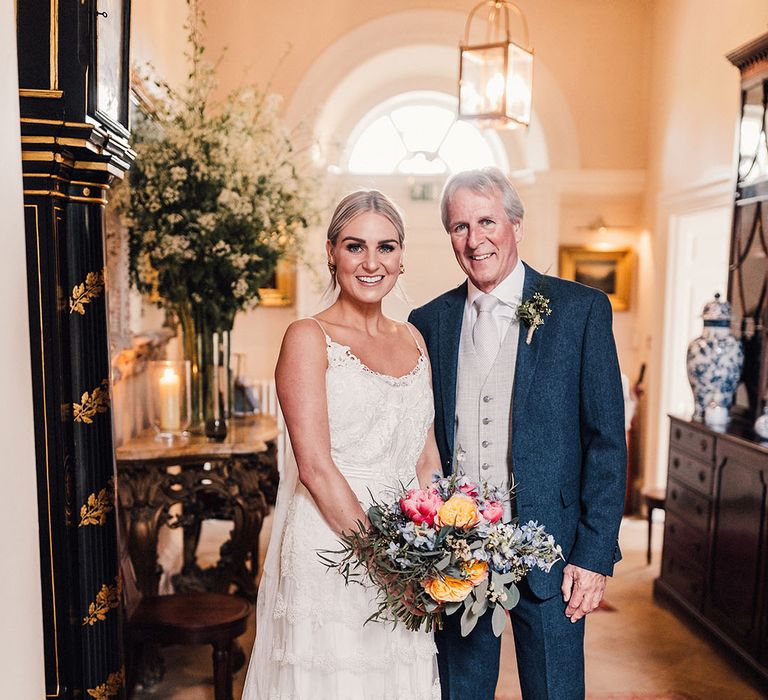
(604, 446)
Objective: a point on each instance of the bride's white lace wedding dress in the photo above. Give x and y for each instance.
(311, 641)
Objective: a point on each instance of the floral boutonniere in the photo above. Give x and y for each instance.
(532, 312)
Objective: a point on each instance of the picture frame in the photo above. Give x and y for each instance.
(606, 269)
(281, 290)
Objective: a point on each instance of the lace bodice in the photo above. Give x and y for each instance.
(378, 423)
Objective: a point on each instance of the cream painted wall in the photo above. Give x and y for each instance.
(597, 49)
(21, 635)
(158, 37)
(694, 109)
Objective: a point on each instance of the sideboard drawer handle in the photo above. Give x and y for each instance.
(676, 463)
(704, 444)
(674, 495)
(672, 529)
(702, 476)
(678, 433)
(699, 510)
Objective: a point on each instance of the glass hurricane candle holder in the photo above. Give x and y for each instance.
(169, 397)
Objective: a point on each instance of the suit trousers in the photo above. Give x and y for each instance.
(549, 649)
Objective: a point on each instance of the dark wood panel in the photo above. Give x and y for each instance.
(734, 596)
(697, 441)
(687, 542)
(680, 574)
(691, 471)
(688, 504)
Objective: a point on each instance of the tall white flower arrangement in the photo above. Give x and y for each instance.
(217, 194)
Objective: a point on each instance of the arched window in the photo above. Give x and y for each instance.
(417, 133)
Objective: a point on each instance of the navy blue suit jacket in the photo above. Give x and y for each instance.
(568, 447)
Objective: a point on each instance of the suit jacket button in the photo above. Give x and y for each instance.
(485, 443)
(485, 466)
(487, 398)
(486, 421)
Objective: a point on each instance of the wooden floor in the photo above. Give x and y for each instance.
(636, 650)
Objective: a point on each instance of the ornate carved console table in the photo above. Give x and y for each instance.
(231, 480)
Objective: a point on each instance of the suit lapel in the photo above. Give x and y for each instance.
(449, 335)
(527, 355)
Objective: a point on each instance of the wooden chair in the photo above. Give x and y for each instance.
(653, 499)
(188, 619)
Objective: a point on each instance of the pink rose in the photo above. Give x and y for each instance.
(421, 506)
(493, 511)
(469, 489)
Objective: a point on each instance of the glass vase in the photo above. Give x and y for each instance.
(191, 346)
(213, 349)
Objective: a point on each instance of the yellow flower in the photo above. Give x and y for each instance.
(459, 511)
(448, 589)
(475, 571)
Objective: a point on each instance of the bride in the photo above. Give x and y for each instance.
(355, 390)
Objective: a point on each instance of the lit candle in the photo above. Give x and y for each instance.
(170, 404)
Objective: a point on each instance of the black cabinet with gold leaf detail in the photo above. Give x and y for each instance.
(73, 90)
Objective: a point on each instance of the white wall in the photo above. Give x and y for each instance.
(21, 633)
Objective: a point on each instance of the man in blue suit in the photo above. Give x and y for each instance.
(537, 405)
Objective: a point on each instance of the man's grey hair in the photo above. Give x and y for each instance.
(485, 181)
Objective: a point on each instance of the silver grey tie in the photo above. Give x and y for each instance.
(485, 334)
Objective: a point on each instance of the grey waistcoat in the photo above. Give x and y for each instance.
(484, 410)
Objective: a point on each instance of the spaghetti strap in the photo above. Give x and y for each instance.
(410, 330)
(322, 328)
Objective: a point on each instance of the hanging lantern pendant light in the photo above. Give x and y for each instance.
(496, 77)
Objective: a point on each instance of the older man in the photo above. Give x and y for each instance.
(540, 404)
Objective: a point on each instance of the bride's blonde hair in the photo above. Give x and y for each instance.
(354, 204)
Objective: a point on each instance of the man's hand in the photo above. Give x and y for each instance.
(582, 590)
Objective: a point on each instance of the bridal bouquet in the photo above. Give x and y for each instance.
(430, 552)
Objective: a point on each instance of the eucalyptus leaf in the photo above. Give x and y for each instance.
(477, 544)
(452, 607)
(481, 589)
(480, 606)
(468, 621)
(499, 620)
(513, 597)
(443, 563)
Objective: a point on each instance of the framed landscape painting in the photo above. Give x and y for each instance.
(606, 269)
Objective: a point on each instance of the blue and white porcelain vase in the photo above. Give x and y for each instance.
(715, 360)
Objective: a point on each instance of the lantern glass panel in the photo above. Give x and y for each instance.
(519, 82)
(482, 81)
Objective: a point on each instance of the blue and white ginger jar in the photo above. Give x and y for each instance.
(715, 360)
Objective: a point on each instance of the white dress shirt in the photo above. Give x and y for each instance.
(509, 292)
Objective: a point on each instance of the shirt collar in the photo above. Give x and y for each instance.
(509, 291)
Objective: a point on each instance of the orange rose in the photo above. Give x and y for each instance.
(459, 511)
(448, 589)
(476, 571)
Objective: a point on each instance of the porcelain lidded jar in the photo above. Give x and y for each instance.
(715, 360)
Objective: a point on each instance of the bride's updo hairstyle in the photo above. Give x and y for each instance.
(357, 203)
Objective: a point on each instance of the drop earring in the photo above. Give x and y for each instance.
(402, 269)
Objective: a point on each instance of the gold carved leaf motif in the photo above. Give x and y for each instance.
(91, 404)
(86, 292)
(94, 511)
(109, 689)
(107, 599)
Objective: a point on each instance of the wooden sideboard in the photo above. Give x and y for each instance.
(715, 559)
